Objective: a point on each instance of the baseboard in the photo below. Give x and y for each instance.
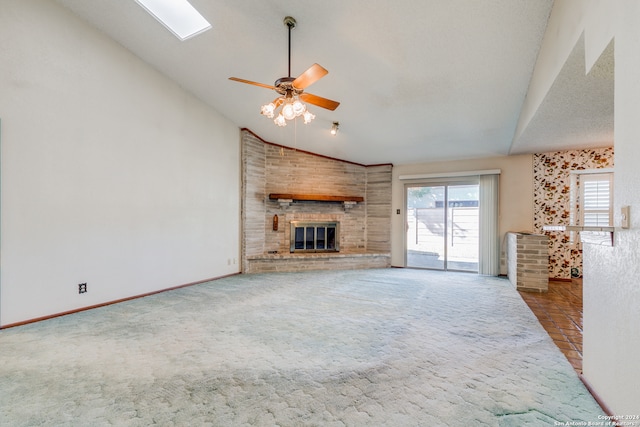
(91, 307)
(597, 397)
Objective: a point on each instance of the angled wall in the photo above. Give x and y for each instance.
(111, 174)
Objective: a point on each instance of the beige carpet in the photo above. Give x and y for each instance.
(391, 347)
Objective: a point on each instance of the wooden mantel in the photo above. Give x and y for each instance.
(286, 199)
(315, 197)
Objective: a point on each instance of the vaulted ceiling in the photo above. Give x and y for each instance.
(418, 80)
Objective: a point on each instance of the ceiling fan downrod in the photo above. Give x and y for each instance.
(290, 22)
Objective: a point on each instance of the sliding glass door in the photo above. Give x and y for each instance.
(443, 226)
(426, 222)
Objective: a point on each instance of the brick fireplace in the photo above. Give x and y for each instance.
(284, 187)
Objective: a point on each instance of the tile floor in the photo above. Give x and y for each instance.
(560, 312)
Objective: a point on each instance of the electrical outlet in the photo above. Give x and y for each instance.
(82, 288)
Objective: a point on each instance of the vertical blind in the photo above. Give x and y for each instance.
(489, 262)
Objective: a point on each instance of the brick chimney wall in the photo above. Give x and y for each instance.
(269, 168)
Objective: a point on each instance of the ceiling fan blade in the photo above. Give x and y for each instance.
(319, 101)
(235, 79)
(312, 75)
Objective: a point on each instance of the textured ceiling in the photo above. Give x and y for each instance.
(578, 109)
(418, 80)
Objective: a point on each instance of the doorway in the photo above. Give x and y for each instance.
(443, 226)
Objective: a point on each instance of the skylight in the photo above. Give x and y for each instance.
(178, 16)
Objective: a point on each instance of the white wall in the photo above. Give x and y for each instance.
(611, 290)
(110, 173)
(612, 275)
(516, 194)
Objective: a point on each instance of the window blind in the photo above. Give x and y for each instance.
(489, 262)
(597, 206)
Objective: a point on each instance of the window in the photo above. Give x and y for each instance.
(178, 16)
(596, 194)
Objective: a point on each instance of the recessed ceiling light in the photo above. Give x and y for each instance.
(178, 16)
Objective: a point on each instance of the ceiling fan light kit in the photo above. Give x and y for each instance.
(289, 105)
(291, 108)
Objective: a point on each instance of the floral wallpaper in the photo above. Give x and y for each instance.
(555, 203)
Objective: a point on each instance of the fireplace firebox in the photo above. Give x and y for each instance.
(307, 236)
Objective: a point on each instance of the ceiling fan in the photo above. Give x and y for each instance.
(291, 90)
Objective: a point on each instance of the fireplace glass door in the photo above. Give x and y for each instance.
(314, 236)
